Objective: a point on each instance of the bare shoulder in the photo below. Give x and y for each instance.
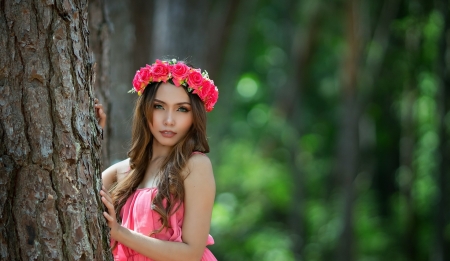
(199, 162)
(199, 158)
(123, 165)
(123, 168)
(199, 168)
(115, 173)
(120, 167)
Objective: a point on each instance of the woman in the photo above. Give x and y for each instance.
(164, 193)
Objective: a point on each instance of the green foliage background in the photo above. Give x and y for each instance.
(331, 136)
(395, 201)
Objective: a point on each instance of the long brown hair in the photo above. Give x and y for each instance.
(170, 186)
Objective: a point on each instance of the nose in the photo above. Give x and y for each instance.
(169, 120)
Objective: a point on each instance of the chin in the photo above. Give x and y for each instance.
(168, 143)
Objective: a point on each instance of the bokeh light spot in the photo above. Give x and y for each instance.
(247, 87)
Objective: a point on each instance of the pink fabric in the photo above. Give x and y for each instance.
(137, 215)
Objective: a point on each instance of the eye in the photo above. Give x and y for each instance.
(183, 109)
(158, 106)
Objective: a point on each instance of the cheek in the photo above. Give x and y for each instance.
(150, 124)
(154, 119)
(188, 123)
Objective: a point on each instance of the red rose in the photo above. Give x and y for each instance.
(142, 78)
(160, 71)
(182, 75)
(137, 82)
(203, 92)
(211, 99)
(195, 79)
(180, 72)
(146, 74)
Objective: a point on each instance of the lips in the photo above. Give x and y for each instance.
(167, 134)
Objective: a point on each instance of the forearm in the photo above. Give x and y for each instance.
(155, 248)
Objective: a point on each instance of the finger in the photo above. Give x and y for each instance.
(98, 109)
(97, 113)
(103, 122)
(106, 195)
(102, 113)
(108, 205)
(106, 192)
(110, 209)
(108, 217)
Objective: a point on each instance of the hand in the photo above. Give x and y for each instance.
(100, 113)
(111, 214)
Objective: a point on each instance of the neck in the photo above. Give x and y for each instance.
(159, 151)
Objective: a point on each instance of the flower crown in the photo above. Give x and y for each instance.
(193, 79)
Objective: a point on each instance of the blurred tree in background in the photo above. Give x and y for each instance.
(330, 140)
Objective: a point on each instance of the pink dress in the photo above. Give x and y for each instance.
(137, 215)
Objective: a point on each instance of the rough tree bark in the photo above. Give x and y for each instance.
(50, 144)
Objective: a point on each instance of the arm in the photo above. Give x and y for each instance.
(200, 190)
(115, 173)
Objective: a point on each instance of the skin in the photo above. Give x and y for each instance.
(170, 114)
(100, 113)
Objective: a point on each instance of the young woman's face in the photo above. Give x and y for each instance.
(172, 115)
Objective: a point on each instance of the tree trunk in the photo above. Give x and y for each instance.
(99, 28)
(442, 246)
(180, 41)
(122, 72)
(50, 149)
(233, 55)
(348, 137)
(221, 17)
(407, 170)
(291, 106)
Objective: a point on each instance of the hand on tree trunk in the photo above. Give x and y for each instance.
(100, 113)
(111, 214)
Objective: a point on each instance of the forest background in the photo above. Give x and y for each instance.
(330, 139)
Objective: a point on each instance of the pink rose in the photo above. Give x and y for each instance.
(138, 83)
(203, 92)
(211, 99)
(180, 72)
(160, 71)
(146, 74)
(195, 79)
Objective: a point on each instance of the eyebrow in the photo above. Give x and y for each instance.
(180, 103)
